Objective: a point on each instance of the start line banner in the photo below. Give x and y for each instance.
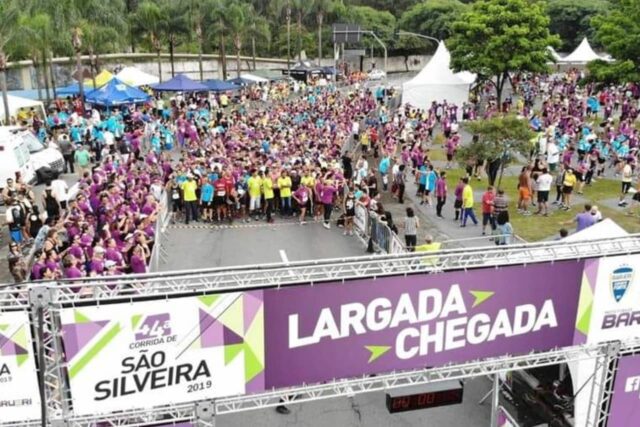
(140, 355)
(19, 392)
(625, 400)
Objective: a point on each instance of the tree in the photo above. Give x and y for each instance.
(381, 23)
(237, 16)
(432, 18)
(8, 19)
(321, 8)
(149, 21)
(174, 23)
(618, 30)
(571, 20)
(498, 140)
(220, 26)
(257, 28)
(496, 37)
(302, 10)
(607, 73)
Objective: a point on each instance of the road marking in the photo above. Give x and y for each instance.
(283, 256)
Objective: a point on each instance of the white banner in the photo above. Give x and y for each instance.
(19, 393)
(609, 310)
(616, 300)
(126, 356)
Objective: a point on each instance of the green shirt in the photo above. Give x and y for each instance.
(82, 157)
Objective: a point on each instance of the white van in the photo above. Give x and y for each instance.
(15, 157)
(43, 160)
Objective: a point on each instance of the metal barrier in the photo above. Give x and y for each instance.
(382, 237)
(159, 251)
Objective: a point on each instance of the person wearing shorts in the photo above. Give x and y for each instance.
(524, 190)
(254, 187)
(544, 182)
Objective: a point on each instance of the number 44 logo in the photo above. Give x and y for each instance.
(155, 326)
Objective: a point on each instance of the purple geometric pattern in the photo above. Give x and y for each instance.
(9, 347)
(77, 335)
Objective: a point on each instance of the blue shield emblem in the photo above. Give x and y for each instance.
(621, 279)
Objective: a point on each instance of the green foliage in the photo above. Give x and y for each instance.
(606, 73)
(618, 29)
(496, 37)
(397, 7)
(432, 18)
(380, 22)
(571, 20)
(496, 137)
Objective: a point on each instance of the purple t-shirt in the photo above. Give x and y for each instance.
(584, 220)
(138, 264)
(327, 194)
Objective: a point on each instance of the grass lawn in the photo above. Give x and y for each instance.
(534, 228)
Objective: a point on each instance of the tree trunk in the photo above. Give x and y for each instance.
(223, 56)
(53, 77)
(502, 165)
(3, 87)
(320, 19)
(253, 51)
(34, 61)
(159, 64)
(288, 40)
(238, 44)
(94, 67)
(171, 46)
(45, 75)
(299, 36)
(200, 58)
(80, 74)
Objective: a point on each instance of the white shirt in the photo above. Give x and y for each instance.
(627, 173)
(60, 190)
(553, 154)
(544, 182)
(109, 138)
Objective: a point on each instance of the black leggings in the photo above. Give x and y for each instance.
(411, 241)
(440, 204)
(328, 207)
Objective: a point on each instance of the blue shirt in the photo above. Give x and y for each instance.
(384, 166)
(206, 193)
(431, 181)
(423, 175)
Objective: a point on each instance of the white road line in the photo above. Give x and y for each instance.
(283, 256)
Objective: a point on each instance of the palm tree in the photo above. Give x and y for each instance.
(257, 28)
(220, 25)
(150, 21)
(302, 9)
(321, 8)
(36, 32)
(175, 22)
(237, 15)
(8, 20)
(277, 8)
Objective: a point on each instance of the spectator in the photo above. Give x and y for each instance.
(411, 226)
(467, 203)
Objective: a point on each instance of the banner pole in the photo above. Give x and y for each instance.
(41, 366)
(495, 400)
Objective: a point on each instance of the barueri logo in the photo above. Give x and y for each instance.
(155, 329)
(632, 385)
(621, 279)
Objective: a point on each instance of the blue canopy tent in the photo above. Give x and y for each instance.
(180, 83)
(72, 89)
(241, 82)
(116, 93)
(216, 85)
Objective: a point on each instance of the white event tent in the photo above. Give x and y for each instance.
(437, 82)
(582, 54)
(136, 77)
(555, 55)
(17, 103)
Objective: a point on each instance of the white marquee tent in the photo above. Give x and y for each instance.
(555, 55)
(17, 103)
(437, 82)
(582, 54)
(136, 77)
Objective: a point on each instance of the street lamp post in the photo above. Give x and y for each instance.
(422, 36)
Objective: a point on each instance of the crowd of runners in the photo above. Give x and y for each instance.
(308, 153)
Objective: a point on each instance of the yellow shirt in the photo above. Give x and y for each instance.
(254, 184)
(467, 197)
(429, 247)
(284, 184)
(569, 180)
(267, 188)
(189, 191)
(308, 181)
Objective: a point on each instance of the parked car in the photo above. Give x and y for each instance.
(377, 74)
(46, 163)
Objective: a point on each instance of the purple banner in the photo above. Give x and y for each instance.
(364, 327)
(625, 401)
